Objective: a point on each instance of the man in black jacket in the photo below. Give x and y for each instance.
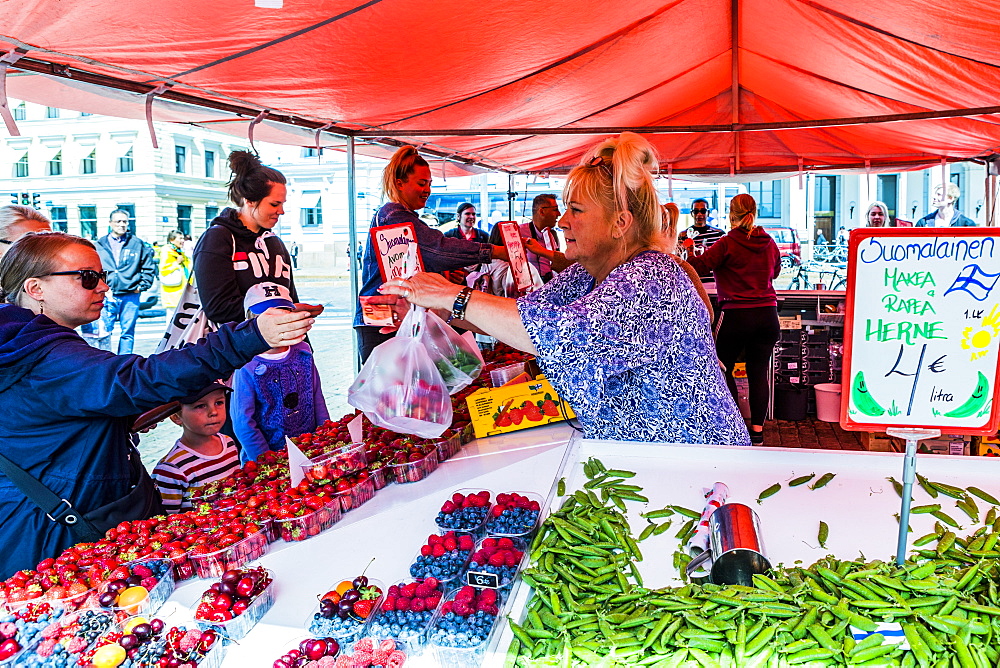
(129, 263)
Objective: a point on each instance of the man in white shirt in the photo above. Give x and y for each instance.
(542, 243)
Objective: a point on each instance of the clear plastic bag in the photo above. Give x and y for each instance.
(455, 356)
(400, 388)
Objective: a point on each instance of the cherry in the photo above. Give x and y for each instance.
(129, 641)
(360, 581)
(232, 576)
(157, 626)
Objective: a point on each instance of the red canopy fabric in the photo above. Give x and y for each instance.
(719, 86)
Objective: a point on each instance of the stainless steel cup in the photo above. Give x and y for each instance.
(736, 546)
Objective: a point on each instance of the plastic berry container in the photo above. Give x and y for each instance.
(238, 627)
(417, 470)
(214, 564)
(344, 630)
(163, 572)
(467, 434)
(29, 630)
(397, 650)
(448, 568)
(456, 648)
(86, 599)
(303, 527)
(479, 574)
(448, 447)
(403, 626)
(182, 566)
(514, 523)
(379, 476)
(471, 520)
(360, 493)
(336, 464)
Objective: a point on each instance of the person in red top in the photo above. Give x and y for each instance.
(745, 262)
(466, 228)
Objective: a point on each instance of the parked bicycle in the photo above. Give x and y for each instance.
(830, 252)
(837, 273)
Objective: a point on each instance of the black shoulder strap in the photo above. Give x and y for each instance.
(56, 509)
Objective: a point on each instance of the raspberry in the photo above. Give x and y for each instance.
(364, 645)
(438, 551)
(402, 604)
(380, 657)
(466, 543)
(512, 558)
(51, 631)
(488, 595)
(450, 544)
(417, 605)
(409, 590)
(142, 571)
(423, 590)
(433, 540)
(425, 550)
(149, 583)
(361, 660)
(46, 648)
(457, 498)
(432, 582)
(448, 507)
(498, 559)
(190, 640)
(76, 645)
(492, 542)
(326, 662)
(465, 595)
(504, 543)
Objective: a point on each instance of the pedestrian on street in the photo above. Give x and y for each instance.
(131, 270)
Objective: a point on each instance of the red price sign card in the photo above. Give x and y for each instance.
(397, 251)
(922, 336)
(518, 259)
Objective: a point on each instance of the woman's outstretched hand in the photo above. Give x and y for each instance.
(424, 289)
(281, 327)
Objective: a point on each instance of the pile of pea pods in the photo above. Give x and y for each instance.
(589, 608)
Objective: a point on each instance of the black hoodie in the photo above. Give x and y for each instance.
(229, 259)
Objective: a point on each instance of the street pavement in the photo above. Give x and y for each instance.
(331, 339)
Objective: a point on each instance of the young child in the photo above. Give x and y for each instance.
(201, 455)
(278, 393)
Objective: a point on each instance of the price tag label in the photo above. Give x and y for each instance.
(483, 580)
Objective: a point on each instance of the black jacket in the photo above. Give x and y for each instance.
(958, 219)
(229, 259)
(135, 269)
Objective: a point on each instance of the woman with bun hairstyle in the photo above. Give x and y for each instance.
(17, 220)
(68, 408)
(406, 183)
(621, 333)
(238, 250)
(745, 262)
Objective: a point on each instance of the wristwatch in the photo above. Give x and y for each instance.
(461, 301)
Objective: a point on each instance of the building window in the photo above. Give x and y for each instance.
(51, 112)
(209, 164)
(310, 152)
(54, 166)
(312, 216)
(89, 164)
(180, 159)
(184, 218)
(125, 162)
(956, 178)
(88, 222)
(887, 189)
(210, 213)
(20, 112)
(826, 196)
(21, 166)
(768, 196)
(58, 216)
(85, 113)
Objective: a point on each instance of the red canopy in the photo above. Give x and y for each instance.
(719, 86)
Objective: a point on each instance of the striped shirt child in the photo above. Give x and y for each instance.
(183, 470)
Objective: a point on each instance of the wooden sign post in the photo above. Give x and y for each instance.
(921, 338)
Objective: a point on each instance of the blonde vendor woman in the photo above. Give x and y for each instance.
(175, 269)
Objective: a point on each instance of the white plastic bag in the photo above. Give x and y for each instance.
(399, 387)
(458, 359)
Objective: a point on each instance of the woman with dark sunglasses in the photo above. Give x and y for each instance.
(67, 407)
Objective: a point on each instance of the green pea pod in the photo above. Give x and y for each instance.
(929, 508)
(660, 528)
(949, 490)
(927, 486)
(947, 519)
(561, 487)
(897, 486)
(770, 491)
(985, 496)
(824, 533)
(659, 514)
(686, 512)
(823, 481)
(647, 532)
(968, 506)
(801, 480)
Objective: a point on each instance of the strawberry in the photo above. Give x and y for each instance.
(363, 607)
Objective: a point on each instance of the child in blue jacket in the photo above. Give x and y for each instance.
(278, 393)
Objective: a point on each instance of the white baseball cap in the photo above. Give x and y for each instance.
(263, 296)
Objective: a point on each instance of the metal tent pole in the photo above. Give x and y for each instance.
(352, 234)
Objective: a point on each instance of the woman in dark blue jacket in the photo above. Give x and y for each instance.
(67, 407)
(406, 182)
